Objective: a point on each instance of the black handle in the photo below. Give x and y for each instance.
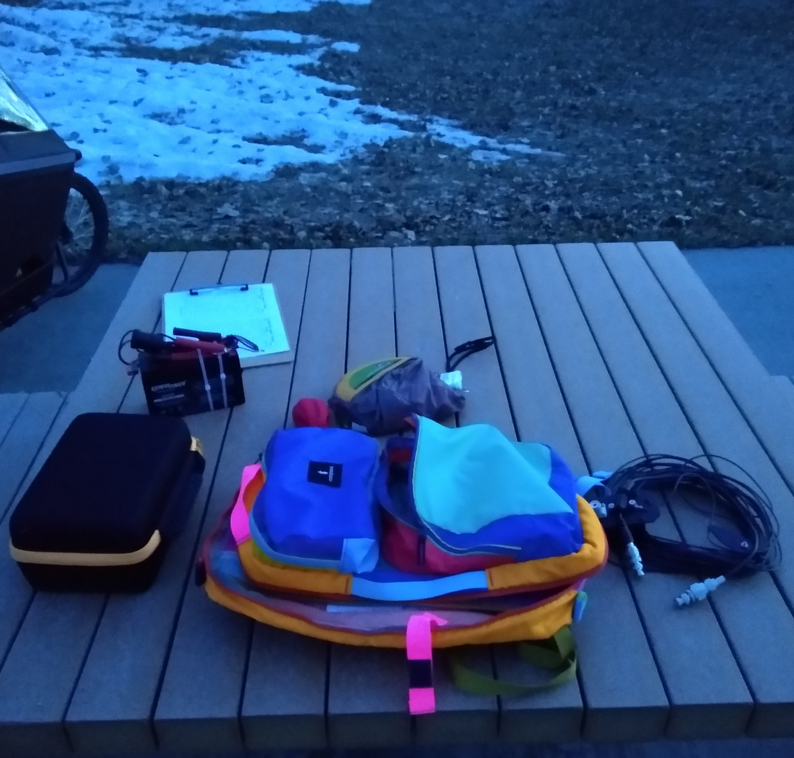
(205, 336)
(149, 343)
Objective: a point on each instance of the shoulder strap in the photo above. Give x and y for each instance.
(557, 654)
(463, 351)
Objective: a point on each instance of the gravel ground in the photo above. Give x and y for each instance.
(666, 120)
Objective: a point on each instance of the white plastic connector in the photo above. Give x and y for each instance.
(599, 508)
(635, 558)
(699, 591)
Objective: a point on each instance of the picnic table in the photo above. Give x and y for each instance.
(604, 351)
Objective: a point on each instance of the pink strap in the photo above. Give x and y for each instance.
(421, 701)
(239, 519)
(419, 647)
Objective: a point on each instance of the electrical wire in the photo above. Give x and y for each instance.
(746, 508)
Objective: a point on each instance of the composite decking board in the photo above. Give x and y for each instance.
(417, 313)
(721, 430)
(283, 697)
(719, 339)
(557, 713)
(43, 664)
(17, 451)
(624, 696)
(367, 691)
(122, 671)
(371, 331)
(661, 426)
(10, 405)
(319, 363)
(272, 716)
(545, 716)
(21, 444)
(208, 718)
(473, 717)
(605, 436)
(526, 386)
(743, 378)
(121, 676)
(785, 389)
(420, 333)
(105, 381)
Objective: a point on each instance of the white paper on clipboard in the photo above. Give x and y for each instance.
(247, 310)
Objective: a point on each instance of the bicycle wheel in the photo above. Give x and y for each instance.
(83, 238)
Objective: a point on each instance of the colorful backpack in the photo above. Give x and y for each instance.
(512, 545)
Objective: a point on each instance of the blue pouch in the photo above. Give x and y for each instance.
(317, 508)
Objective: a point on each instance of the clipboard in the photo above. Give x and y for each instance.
(247, 310)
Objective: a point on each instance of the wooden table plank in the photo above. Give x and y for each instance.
(553, 715)
(605, 436)
(116, 692)
(198, 704)
(367, 693)
(105, 383)
(655, 389)
(420, 333)
(17, 451)
(722, 430)
(113, 698)
(785, 387)
(662, 427)
(741, 375)
(10, 406)
(57, 629)
(417, 310)
(624, 695)
(22, 441)
(715, 332)
(319, 363)
(462, 718)
(283, 702)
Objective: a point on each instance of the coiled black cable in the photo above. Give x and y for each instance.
(746, 508)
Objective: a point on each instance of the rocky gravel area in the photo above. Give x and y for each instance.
(669, 120)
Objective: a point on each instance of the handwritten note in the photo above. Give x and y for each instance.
(251, 312)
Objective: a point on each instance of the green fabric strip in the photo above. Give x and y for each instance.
(557, 654)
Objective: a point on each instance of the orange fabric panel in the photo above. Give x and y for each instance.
(546, 571)
(591, 556)
(291, 577)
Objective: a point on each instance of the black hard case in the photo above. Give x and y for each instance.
(112, 495)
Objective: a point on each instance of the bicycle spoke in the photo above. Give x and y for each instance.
(83, 241)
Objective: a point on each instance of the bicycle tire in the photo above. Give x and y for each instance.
(95, 253)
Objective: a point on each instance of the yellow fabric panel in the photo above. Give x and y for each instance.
(345, 392)
(591, 556)
(537, 624)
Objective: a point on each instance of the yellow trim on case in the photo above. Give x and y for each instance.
(87, 559)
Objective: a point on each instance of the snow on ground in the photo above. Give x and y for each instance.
(242, 113)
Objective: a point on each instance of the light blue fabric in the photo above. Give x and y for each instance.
(418, 590)
(358, 552)
(466, 478)
(585, 483)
